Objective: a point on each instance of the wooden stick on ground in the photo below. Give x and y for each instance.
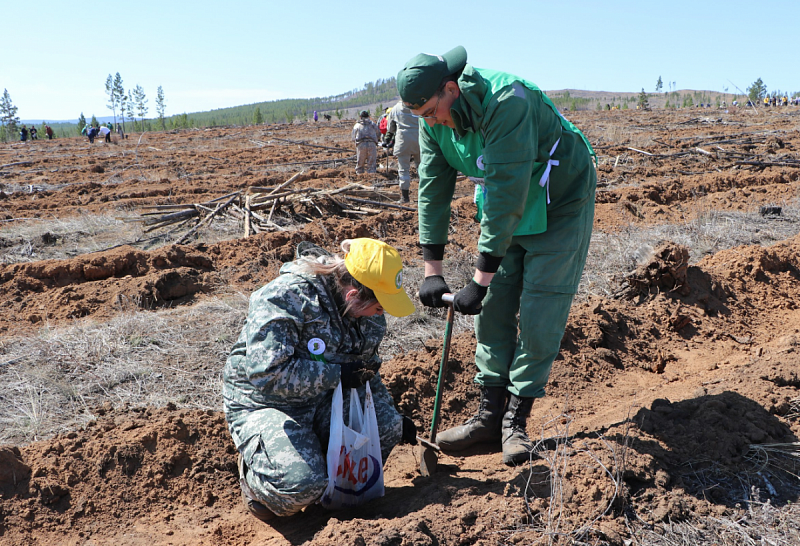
(307, 144)
(247, 216)
(17, 163)
(172, 218)
(378, 203)
(207, 219)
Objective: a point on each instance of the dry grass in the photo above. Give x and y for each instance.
(60, 238)
(761, 525)
(411, 333)
(612, 256)
(139, 358)
(63, 238)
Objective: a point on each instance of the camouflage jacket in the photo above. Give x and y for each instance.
(272, 365)
(366, 130)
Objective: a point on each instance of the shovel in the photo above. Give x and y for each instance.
(429, 451)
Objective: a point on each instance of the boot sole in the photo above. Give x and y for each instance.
(448, 448)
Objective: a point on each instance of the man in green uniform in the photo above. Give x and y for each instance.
(535, 186)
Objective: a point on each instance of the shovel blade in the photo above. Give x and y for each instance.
(428, 459)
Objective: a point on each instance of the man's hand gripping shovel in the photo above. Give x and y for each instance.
(429, 451)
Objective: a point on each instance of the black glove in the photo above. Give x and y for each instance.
(432, 290)
(468, 300)
(356, 373)
(409, 432)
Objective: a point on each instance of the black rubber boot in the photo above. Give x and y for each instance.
(484, 426)
(404, 197)
(517, 447)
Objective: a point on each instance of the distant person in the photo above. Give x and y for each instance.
(316, 116)
(383, 123)
(91, 133)
(23, 134)
(405, 127)
(366, 135)
(49, 132)
(106, 132)
(33, 133)
(110, 126)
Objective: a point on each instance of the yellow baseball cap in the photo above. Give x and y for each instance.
(379, 267)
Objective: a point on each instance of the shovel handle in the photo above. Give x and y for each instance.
(448, 331)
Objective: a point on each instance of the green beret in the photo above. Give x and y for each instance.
(420, 77)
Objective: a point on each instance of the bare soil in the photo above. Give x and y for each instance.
(654, 405)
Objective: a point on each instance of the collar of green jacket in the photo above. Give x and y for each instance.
(467, 110)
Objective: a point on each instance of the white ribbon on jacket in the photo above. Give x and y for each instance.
(545, 181)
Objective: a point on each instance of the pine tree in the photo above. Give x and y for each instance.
(122, 98)
(81, 123)
(8, 117)
(643, 104)
(131, 104)
(140, 101)
(94, 122)
(161, 107)
(258, 119)
(757, 91)
(113, 98)
(659, 85)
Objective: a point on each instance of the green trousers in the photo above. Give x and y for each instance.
(525, 311)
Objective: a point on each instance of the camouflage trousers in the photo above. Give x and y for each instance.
(404, 169)
(366, 157)
(284, 449)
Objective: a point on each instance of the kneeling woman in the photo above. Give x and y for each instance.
(320, 322)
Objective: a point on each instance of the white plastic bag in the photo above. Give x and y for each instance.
(355, 465)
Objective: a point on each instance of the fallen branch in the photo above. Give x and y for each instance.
(19, 163)
(206, 220)
(247, 216)
(307, 144)
(17, 219)
(172, 218)
(379, 204)
(339, 160)
(769, 163)
(259, 200)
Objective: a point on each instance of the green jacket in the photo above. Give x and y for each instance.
(506, 130)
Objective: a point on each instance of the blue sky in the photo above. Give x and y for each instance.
(54, 58)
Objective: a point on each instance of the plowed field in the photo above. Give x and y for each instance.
(672, 410)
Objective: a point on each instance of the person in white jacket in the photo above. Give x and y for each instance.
(405, 127)
(366, 135)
